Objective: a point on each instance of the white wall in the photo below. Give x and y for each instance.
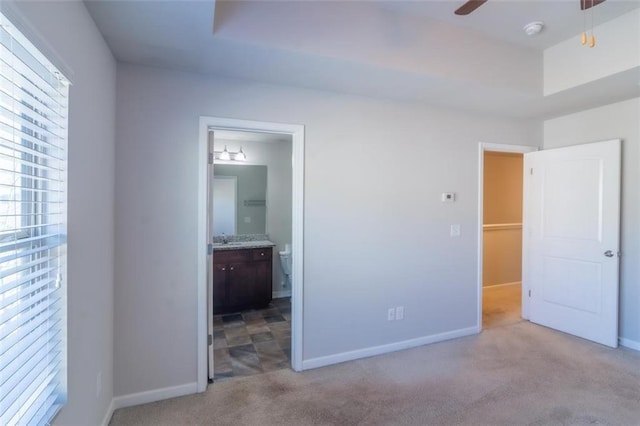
(376, 234)
(619, 120)
(67, 29)
(276, 155)
(569, 64)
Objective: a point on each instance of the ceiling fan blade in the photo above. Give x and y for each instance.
(472, 5)
(587, 4)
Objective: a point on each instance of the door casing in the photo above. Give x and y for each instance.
(482, 147)
(297, 234)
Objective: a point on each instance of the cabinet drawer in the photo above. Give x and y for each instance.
(228, 256)
(261, 253)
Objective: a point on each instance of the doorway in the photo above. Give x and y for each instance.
(251, 213)
(251, 253)
(500, 212)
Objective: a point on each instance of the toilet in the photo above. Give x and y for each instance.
(285, 264)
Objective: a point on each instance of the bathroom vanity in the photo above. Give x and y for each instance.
(242, 276)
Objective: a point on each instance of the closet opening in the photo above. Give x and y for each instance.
(501, 297)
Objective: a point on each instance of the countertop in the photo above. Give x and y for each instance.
(240, 245)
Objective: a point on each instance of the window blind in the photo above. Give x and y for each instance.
(33, 216)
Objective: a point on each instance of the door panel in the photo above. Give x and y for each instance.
(210, 272)
(572, 219)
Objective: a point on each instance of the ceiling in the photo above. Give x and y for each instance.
(415, 51)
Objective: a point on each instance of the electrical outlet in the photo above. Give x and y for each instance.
(455, 230)
(400, 313)
(98, 384)
(391, 314)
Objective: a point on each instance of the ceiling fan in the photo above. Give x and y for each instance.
(472, 5)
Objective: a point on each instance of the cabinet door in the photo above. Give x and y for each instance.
(240, 280)
(220, 298)
(262, 284)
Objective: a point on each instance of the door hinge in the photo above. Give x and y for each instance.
(209, 340)
(210, 158)
(531, 171)
(209, 249)
(529, 293)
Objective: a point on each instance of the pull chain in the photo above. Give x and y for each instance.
(592, 39)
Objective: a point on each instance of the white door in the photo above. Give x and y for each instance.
(572, 223)
(210, 217)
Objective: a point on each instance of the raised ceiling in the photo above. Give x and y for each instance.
(416, 51)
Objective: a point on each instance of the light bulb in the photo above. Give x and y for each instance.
(592, 41)
(584, 38)
(224, 155)
(240, 156)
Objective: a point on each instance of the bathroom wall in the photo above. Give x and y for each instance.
(276, 155)
(502, 213)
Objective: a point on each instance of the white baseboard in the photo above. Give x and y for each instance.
(501, 285)
(107, 417)
(281, 293)
(154, 395)
(383, 349)
(628, 343)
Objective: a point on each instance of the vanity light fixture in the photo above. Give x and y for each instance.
(227, 155)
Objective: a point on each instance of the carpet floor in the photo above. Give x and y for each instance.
(518, 374)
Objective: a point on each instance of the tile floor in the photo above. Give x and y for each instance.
(501, 305)
(253, 341)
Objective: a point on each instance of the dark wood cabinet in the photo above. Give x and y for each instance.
(242, 279)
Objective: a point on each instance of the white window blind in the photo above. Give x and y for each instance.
(33, 153)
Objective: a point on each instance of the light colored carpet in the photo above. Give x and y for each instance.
(519, 374)
(501, 305)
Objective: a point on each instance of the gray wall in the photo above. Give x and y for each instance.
(619, 120)
(376, 233)
(68, 30)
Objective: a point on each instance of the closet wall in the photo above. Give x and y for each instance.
(502, 212)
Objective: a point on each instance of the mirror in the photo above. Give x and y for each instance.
(239, 199)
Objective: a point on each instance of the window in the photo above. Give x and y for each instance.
(33, 213)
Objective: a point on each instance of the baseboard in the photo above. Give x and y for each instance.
(501, 285)
(281, 293)
(154, 395)
(628, 343)
(383, 349)
(107, 417)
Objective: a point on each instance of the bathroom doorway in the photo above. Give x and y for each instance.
(252, 277)
(252, 204)
(500, 235)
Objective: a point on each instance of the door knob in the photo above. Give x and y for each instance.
(608, 253)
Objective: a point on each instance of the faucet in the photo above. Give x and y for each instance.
(225, 239)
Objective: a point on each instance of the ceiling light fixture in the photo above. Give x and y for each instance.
(533, 28)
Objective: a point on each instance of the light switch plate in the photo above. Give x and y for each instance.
(455, 230)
